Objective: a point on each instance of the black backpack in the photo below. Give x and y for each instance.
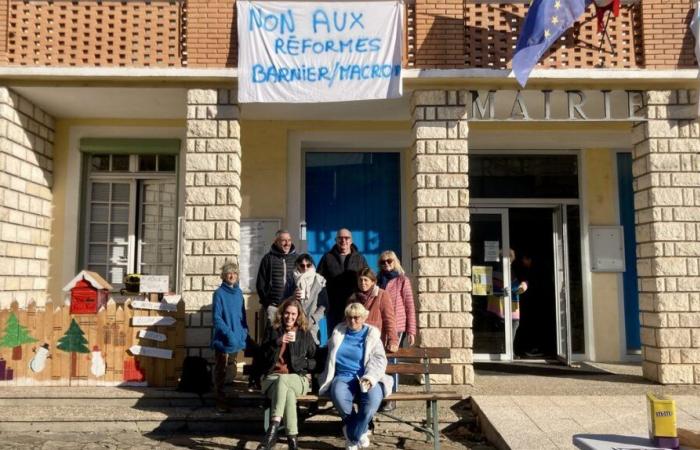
(196, 376)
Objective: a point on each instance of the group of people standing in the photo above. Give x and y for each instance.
(338, 319)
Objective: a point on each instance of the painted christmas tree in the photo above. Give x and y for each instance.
(73, 342)
(15, 335)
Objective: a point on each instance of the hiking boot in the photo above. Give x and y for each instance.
(292, 442)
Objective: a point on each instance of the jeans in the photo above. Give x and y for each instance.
(343, 392)
(282, 390)
(402, 335)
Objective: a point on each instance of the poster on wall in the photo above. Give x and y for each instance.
(482, 280)
(309, 51)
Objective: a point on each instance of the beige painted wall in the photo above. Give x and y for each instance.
(66, 189)
(601, 203)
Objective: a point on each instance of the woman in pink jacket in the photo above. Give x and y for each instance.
(392, 279)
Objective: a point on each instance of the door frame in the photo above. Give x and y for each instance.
(300, 142)
(505, 252)
(486, 205)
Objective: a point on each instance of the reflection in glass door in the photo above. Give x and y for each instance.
(561, 283)
(491, 306)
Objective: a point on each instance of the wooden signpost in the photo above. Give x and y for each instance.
(163, 353)
(152, 335)
(153, 306)
(149, 321)
(154, 283)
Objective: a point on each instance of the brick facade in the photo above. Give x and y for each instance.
(440, 34)
(667, 203)
(212, 39)
(212, 204)
(26, 178)
(439, 28)
(667, 40)
(441, 216)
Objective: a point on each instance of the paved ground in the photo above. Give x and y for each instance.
(542, 408)
(545, 412)
(133, 440)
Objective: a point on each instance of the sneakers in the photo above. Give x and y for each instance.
(364, 440)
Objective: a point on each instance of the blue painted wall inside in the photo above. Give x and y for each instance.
(358, 191)
(626, 198)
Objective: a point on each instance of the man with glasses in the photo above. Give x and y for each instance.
(340, 267)
(275, 282)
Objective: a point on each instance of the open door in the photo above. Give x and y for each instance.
(491, 301)
(561, 284)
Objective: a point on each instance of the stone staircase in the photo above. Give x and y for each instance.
(154, 410)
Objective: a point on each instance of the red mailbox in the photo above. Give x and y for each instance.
(88, 292)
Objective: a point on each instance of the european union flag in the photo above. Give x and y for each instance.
(546, 20)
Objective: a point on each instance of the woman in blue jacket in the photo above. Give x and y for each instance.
(230, 330)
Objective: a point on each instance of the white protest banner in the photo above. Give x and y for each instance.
(309, 51)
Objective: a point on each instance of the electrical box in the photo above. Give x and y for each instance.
(607, 248)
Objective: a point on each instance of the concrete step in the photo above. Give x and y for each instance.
(157, 410)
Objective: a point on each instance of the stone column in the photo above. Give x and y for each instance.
(212, 204)
(441, 249)
(26, 181)
(667, 203)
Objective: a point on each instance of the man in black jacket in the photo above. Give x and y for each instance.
(340, 267)
(275, 280)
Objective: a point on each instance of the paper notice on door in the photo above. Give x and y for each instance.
(492, 251)
(482, 280)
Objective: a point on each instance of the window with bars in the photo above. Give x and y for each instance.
(131, 218)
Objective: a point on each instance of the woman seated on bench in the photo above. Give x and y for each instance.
(286, 360)
(356, 371)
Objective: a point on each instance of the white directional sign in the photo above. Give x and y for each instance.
(147, 321)
(154, 283)
(151, 352)
(152, 335)
(155, 306)
(172, 298)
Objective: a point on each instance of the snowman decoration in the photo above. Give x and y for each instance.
(38, 362)
(98, 366)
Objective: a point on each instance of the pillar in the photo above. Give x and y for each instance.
(441, 217)
(667, 213)
(212, 204)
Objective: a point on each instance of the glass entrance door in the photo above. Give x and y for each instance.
(491, 302)
(561, 284)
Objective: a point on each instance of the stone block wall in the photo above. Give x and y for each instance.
(212, 204)
(667, 203)
(26, 178)
(441, 249)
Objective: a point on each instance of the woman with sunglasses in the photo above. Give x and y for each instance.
(311, 293)
(287, 360)
(378, 303)
(356, 373)
(393, 279)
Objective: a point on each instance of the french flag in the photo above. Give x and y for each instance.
(601, 6)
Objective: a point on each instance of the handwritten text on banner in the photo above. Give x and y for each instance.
(307, 52)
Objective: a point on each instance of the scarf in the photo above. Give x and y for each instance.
(386, 277)
(304, 281)
(281, 364)
(365, 297)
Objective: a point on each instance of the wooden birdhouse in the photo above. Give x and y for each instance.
(88, 292)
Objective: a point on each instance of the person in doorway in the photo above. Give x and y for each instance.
(340, 267)
(378, 303)
(310, 291)
(287, 360)
(274, 282)
(356, 373)
(230, 328)
(394, 281)
(496, 305)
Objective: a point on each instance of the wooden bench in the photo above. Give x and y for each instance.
(406, 361)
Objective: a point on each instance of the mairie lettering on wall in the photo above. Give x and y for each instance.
(305, 52)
